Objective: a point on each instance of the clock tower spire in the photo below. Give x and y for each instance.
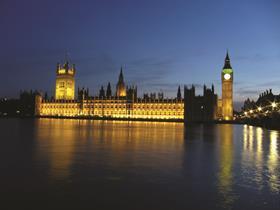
(227, 90)
(227, 62)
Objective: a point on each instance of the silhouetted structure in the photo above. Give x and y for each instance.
(109, 90)
(200, 108)
(264, 99)
(131, 93)
(83, 93)
(22, 107)
(102, 92)
(179, 96)
(264, 112)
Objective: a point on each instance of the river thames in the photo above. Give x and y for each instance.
(84, 164)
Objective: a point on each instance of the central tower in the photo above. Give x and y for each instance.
(227, 91)
(120, 89)
(65, 82)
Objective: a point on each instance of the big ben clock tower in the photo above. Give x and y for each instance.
(227, 92)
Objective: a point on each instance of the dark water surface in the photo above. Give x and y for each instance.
(79, 164)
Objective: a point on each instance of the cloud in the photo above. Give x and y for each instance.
(247, 92)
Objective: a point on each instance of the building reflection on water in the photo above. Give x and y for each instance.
(209, 158)
(56, 145)
(219, 162)
(225, 173)
(64, 145)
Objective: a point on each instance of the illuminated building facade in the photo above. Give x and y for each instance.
(125, 104)
(227, 90)
(113, 107)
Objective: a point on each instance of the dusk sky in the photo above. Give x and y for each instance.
(161, 44)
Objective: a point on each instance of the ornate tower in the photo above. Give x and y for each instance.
(227, 92)
(120, 89)
(65, 82)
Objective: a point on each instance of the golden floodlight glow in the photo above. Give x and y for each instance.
(251, 111)
(259, 109)
(61, 71)
(112, 108)
(273, 104)
(245, 113)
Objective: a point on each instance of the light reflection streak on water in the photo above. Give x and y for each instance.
(251, 161)
(57, 145)
(273, 163)
(259, 158)
(225, 175)
(260, 151)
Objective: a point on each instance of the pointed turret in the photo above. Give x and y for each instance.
(101, 92)
(179, 95)
(121, 80)
(109, 90)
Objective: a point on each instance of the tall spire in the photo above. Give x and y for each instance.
(227, 62)
(179, 96)
(120, 89)
(108, 91)
(121, 75)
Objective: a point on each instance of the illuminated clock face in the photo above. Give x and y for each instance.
(227, 76)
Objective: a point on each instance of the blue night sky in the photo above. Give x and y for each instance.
(162, 44)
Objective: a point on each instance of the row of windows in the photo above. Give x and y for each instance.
(112, 112)
(71, 109)
(106, 107)
(60, 106)
(104, 102)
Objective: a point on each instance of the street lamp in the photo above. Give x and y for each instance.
(273, 104)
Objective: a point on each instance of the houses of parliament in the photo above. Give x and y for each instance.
(124, 103)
